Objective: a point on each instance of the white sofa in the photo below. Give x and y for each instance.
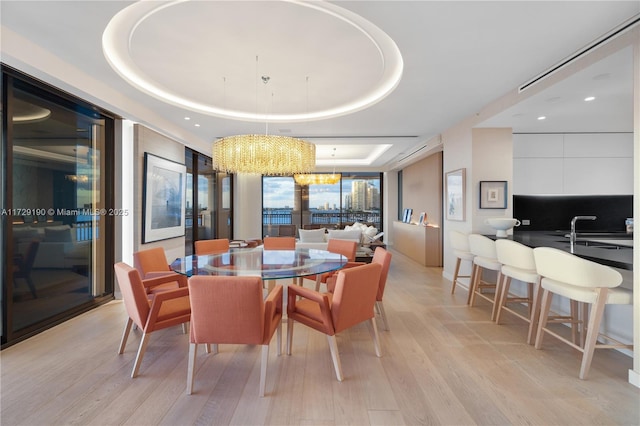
(58, 246)
(318, 238)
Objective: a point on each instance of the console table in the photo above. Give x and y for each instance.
(420, 243)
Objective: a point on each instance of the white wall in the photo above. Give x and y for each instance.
(576, 164)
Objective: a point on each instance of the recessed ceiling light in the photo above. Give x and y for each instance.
(542, 117)
(187, 118)
(197, 125)
(589, 98)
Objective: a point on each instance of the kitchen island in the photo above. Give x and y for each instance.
(608, 248)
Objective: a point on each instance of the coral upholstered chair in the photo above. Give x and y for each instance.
(153, 263)
(383, 258)
(219, 245)
(346, 248)
(279, 243)
(351, 303)
(165, 309)
(232, 310)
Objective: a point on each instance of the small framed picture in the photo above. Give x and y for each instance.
(493, 194)
(423, 219)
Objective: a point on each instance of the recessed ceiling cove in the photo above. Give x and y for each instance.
(210, 56)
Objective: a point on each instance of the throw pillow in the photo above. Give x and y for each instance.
(351, 235)
(312, 235)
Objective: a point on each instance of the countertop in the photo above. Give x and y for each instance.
(612, 249)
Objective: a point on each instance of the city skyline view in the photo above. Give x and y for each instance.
(278, 192)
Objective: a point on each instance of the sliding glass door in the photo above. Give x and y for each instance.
(57, 220)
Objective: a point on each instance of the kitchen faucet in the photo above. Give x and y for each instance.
(572, 236)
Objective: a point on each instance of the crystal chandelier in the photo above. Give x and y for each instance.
(319, 178)
(264, 154)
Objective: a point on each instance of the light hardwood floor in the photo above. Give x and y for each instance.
(443, 363)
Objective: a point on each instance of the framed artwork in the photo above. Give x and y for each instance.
(423, 219)
(493, 194)
(455, 182)
(163, 198)
(406, 217)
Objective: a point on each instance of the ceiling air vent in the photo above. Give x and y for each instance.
(610, 35)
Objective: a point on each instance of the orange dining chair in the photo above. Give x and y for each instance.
(215, 246)
(165, 309)
(232, 310)
(152, 263)
(383, 258)
(279, 243)
(346, 248)
(351, 303)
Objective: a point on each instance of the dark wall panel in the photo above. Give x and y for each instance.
(554, 212)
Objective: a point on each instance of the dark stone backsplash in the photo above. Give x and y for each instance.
(554, 212)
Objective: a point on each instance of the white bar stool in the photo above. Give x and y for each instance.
(485, 258)
(460, 244)
(517, 263)
(582, 281)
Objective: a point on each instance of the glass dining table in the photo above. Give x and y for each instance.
(268, 264)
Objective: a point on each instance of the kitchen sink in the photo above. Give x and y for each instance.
(596, 244)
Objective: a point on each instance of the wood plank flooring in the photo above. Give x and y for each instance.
(443, 363)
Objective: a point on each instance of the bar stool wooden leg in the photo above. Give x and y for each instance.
(476, 275)
(455, 275)
(501, 301)
(592, 333)
(498, 297)
(535, 313)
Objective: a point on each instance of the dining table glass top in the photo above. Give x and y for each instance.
(267, 264)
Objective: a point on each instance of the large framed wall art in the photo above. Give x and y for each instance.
(455, 190)
(163, 198)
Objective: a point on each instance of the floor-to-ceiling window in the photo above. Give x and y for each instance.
(355, 198)
(57, 206)
(208, 201)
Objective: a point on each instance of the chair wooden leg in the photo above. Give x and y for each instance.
(535, 313)
(31, 286)
(575, 322)
(141, 350)
(544, 314)
(318, 282)
(191, 370)
(584, 320)
(455, 275)
(501, 297)
(592, 332)
(472, 284)
(373, 328)
(263, 369)
(335, 356)
(125, 335)
(279, 338)
(383, 314)
(289, 335)
(530, 298)
(497, 295)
